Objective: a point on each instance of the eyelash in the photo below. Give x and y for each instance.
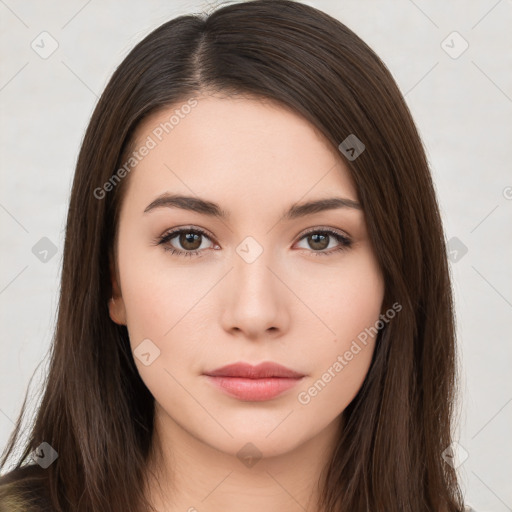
(345, 243)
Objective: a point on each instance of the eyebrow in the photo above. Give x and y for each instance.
(205, 207)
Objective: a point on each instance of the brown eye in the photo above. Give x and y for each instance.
(319, 241)
(188, 241)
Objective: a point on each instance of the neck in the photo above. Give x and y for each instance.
(186, 474)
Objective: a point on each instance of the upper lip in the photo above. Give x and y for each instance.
(260, 371)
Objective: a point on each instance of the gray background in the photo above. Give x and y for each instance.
(462, 104)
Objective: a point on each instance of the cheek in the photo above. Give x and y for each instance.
(157, 293)
(350, 306)
(164, 312)
(160, 317)
(348, 299)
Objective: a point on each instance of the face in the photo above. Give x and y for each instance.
(204, 286)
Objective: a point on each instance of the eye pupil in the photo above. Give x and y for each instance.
(187, 241)
(320, 241)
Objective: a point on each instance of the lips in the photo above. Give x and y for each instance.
(260, 371)
(254, 383)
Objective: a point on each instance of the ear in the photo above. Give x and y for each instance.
(116, 307)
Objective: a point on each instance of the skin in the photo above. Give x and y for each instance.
(292, 306)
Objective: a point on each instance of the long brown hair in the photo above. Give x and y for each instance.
(96, 411)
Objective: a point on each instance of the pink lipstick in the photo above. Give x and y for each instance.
(254, 383)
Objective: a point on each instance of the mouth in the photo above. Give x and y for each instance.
(254, 383)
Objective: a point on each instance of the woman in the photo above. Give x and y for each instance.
(255, 308)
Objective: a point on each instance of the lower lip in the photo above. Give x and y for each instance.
(254, 390)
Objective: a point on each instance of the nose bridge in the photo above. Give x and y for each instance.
(251, 272)
(255, 301)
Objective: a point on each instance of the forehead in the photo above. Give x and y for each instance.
(236, 149)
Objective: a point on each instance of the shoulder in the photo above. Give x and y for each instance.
(23, 489)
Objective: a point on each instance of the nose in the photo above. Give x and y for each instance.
(256, 299)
